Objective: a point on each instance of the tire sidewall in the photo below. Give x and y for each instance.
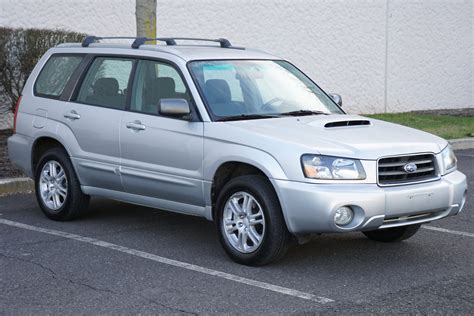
(229, 189)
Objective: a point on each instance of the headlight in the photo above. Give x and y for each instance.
(449, 160)
(336, 168)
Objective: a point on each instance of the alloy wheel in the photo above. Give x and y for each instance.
(243, 222)
(53, 185)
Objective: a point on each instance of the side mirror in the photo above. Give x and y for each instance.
(174, 107)
(336, 98)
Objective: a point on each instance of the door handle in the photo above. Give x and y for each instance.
(136, 126)
(73, 115)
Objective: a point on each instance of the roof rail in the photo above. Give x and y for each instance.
(92, 39)
(224, 43)
(141, 40)
(170, 41)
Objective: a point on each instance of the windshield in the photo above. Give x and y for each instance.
(258, 88)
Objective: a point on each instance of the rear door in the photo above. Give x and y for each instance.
(161, 156)
(94, 116)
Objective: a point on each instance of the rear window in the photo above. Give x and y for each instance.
(55, 75)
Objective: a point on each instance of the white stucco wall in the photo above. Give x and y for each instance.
(104, 17)
(431, 51)
(394, 55)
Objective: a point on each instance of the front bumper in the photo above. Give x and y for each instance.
(310, 208)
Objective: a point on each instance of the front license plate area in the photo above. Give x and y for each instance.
(406, 201)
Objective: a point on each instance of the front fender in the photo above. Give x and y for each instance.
(218, 153)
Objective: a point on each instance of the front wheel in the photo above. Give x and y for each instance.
(393, 234)
(249, 221)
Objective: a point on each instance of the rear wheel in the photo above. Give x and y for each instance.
(57, 188)
(249, 221)
(393, 234)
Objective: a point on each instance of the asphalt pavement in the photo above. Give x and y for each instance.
(126, 259)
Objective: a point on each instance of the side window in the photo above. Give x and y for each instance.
(164, 70)
(155, 81)
(106, 82)
(55, 74)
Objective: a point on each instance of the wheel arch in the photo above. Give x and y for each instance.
(230, 169)
(40, 145)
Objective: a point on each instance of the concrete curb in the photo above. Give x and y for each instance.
(462, 143)
(16, 185)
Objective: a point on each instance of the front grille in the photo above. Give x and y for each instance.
(391, 169)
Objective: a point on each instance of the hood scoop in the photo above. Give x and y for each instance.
(347, 123)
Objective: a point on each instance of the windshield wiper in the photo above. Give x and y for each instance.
(245, 117)
(304, 112)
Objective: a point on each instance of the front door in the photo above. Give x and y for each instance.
(161, 156)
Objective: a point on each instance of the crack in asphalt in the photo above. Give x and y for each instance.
(390, 300)
(55, 276)
(164, 305)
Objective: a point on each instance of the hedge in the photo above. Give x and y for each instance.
(20, 50)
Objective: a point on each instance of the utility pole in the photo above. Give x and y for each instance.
(146, 18)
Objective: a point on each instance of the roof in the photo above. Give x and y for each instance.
(194, 52)
(186, 52)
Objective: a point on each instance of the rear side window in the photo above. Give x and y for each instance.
(106, 82)
(55, 74)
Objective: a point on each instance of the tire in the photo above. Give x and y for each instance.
(270, 226)
(393, 234)
(59, 195)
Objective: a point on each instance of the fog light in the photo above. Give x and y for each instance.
(343, 216)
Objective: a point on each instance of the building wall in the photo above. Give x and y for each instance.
(380, 55)
(104, 17)
(430, 59)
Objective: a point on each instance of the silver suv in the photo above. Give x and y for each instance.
(234, 135)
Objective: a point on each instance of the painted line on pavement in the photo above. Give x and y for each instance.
(171, 262)
(444, 230)
(465, 155)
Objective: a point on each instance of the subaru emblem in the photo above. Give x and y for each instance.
(410, 167)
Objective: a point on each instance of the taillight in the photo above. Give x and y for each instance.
(16, 113)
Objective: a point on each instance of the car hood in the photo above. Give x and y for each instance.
(338, 135)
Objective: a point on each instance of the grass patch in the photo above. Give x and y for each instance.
(446, 126)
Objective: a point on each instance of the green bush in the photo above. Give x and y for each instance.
(20, 50)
